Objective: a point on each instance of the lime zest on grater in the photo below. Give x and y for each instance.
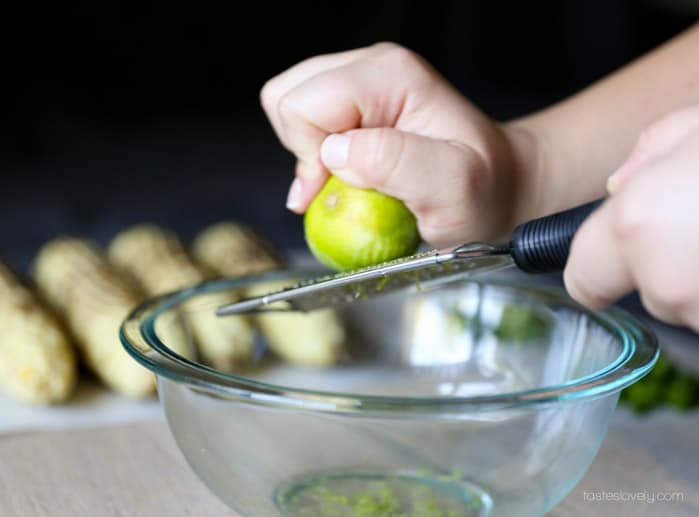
(419, 271)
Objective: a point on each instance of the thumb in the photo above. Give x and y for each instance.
(434, 178)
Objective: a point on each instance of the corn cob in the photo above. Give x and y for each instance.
(38, 363)
(157, 259)
(232, 249)
(309, 339)
(75, 278)
(313, 339)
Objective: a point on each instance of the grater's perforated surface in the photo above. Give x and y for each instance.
(420, 271)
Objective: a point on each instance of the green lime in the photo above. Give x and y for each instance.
(349, 228)
(644, 395)
(662, 370)
(682, 392)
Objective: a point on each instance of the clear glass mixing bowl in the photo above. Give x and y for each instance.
(475, 398)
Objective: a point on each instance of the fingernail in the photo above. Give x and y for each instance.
(612, 183)
(293, 200)
(335, 151)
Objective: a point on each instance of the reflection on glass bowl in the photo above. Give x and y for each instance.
(475, 398)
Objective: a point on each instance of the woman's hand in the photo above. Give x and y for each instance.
(380, 117)
(646, 236)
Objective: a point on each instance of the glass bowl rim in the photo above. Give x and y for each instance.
(639, 354)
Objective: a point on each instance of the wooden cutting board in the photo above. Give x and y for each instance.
(136, 470)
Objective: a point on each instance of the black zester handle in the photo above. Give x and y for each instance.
(542, 245)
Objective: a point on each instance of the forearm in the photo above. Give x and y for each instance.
(565, 153)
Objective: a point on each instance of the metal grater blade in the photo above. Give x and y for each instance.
(420, 271)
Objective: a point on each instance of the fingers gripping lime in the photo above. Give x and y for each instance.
(348, 228)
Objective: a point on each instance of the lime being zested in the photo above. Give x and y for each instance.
(348, 228)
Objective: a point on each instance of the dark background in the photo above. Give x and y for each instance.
(117, 115)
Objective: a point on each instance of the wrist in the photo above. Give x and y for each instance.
(529, 170)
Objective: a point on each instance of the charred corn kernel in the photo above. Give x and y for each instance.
(313, 339)
(157, 259)
(75, 277)
(233, 249)
(37, 360)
